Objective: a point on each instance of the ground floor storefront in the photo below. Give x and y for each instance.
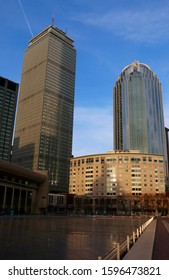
(108, 205)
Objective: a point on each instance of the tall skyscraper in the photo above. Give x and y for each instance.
(138, 111)
(8, 99)
(43, 136)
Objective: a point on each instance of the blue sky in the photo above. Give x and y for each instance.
(108, 35)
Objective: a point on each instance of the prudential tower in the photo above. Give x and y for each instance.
(138, 111)
(43, 135)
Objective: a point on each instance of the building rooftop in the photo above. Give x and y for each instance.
(16, 170)
(54, 30)
(136, 65)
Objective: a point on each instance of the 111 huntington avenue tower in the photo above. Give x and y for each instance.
(138, 111)
(43, 135)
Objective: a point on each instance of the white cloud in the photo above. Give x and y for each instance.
(144, 25)
(93, 130)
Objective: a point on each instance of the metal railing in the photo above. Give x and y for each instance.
(122, 248)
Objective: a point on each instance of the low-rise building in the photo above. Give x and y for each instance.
(117, 173)
(22, 191)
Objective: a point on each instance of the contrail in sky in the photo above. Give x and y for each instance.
(22, 9)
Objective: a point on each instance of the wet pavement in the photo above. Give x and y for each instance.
(62, 238)
(161, 240)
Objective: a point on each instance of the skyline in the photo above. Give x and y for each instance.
(107, 38)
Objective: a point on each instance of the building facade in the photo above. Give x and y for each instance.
(43, 136)
(8, 100)
(138, 111)
(116, 174)
(22, 191)
(121, 205)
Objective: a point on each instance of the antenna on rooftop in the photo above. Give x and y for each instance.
(53, 20)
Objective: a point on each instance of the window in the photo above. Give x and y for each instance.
(126, 159)
(89, 160)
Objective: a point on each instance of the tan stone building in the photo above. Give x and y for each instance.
(117, 173)
(44, 125)
(22, 191)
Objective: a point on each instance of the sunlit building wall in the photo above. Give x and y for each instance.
(43, 137)
(117, 174)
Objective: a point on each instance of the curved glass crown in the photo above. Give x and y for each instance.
(138, 110)
(137, 66)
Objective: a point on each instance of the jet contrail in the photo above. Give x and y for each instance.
(22, 9)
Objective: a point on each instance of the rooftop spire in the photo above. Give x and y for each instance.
(53, 20)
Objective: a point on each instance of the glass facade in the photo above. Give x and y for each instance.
(43, 136)
(57, 118)
(8, 99)
(138, 111)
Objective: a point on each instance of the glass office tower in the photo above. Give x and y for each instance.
(43, 136)
(138, 111)
(8, 99)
